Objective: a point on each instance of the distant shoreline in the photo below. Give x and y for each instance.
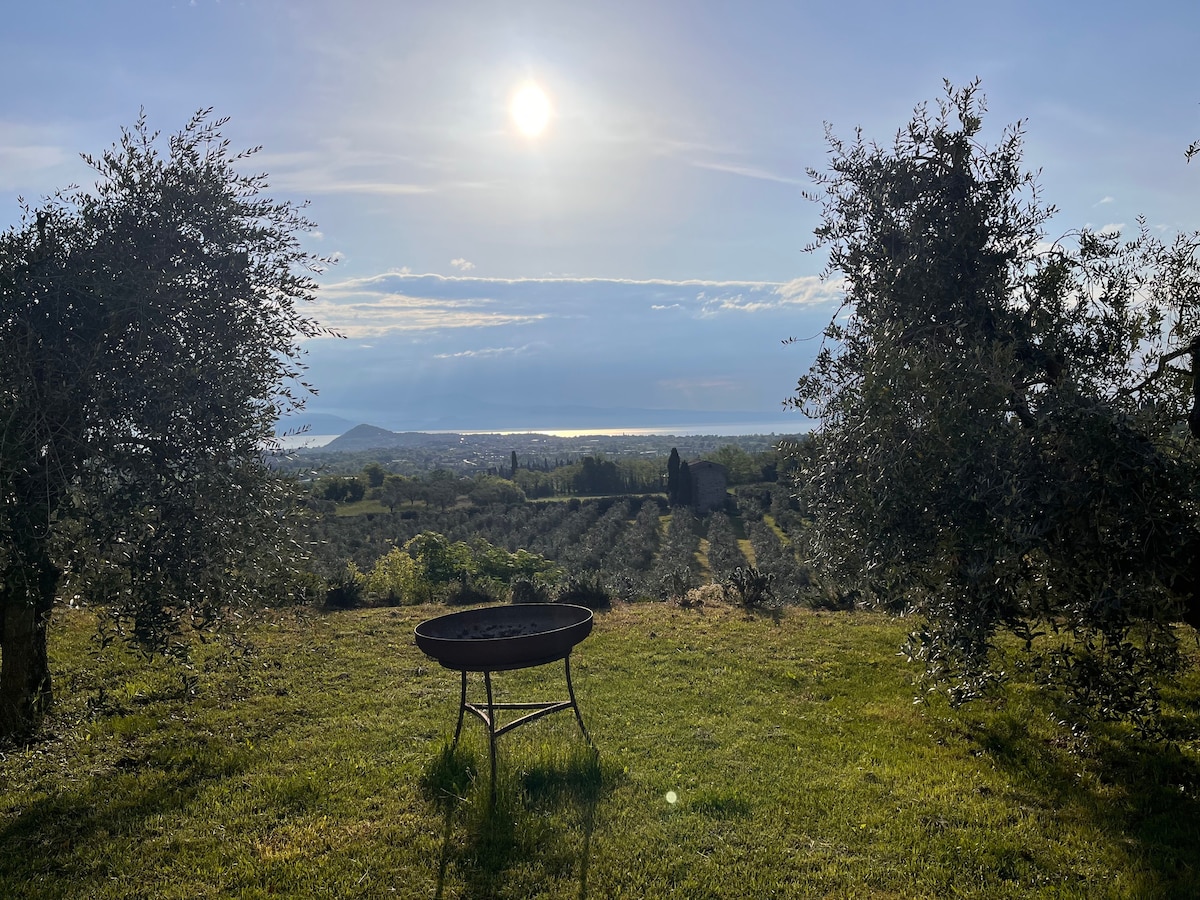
(316, 441)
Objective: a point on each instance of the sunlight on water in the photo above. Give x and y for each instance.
(296, 441)
(797, 426)
(782, 428)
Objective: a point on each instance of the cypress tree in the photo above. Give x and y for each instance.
(683, 493)
(673, 477)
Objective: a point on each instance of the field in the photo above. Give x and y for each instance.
(740, 755)
(634, 545)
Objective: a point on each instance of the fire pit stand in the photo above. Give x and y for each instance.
(503, 638)
(487, 712)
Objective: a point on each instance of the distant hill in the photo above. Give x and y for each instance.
(370, 437)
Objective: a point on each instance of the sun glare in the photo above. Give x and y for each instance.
(530, 110)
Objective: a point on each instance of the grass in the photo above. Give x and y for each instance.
(705, 570)
(774, 526)
(739, 756)
(366, 507)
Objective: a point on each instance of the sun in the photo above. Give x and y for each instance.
(530, 110)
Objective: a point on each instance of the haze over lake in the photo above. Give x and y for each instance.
(314, 440)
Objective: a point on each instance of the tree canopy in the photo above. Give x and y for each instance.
(1004, 418)
(149, 333)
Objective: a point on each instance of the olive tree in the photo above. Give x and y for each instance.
(149, 334)
(1007, 423)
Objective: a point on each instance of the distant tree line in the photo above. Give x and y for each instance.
(535, 480)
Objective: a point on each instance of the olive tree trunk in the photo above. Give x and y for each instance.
(25, 690)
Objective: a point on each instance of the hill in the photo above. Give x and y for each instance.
(371, 437)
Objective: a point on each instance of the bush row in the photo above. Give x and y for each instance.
(616, 547)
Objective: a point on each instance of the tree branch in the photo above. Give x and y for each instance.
(1192, 348)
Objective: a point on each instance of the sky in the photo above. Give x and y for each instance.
(641, 259)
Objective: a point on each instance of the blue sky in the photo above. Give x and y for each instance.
(646, 249)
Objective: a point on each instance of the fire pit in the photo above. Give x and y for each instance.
(496, 638)
(501, 638)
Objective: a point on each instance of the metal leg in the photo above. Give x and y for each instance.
(491, 724)
(487, 713)
(462, 708)
(574, 705)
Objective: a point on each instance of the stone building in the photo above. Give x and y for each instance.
(708, 485)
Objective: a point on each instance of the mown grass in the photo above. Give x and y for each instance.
(366, 507)
(739, 756)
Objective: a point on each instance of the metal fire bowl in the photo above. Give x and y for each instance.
(496, 638)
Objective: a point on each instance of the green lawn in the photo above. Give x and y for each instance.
(799, 766)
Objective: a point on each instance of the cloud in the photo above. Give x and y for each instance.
(445, 342)
(380, 313)
(28, 156)
(797, 292)
(714, 306)
(334, 167)
(745, 171)
(1104, 200)
(810, 291)
(703, 155)
(462, 265)
(324, 183)
(403, 301)
(485, 353)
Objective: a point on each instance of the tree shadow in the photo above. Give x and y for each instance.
(772, 611)
(485, 837)
(46, 842)
(1144, 794)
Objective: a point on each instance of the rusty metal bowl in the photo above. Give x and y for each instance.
(496, 638)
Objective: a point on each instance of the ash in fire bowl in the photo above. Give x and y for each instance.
(504, 637)
(485, 632)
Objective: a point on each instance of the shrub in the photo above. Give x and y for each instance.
(529, 590)
(470, 592)
(674, 582)
(709, 594)
(393, 579)
(750, 587)
(346, 592)
(586, 589)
